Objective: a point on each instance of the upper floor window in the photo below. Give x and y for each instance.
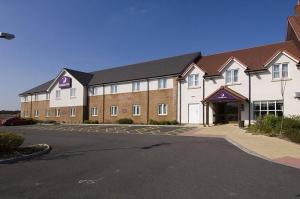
(113, 88)
(94, 91)
(162, 83)
(162, 109)
(280, 71)
(47, 96)
(57, 94)
(193, 80)
(26, 99)
(73, 92)
(113, 110)
(231, 76)
(135, 86)
(36, 97)
(136, 110)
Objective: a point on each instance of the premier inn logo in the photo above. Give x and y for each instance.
(65, 82)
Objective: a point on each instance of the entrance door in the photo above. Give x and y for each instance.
(225, 112)
(194, 113)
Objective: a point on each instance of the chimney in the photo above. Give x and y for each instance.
(297, 8)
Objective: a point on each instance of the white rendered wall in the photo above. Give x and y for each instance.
(190, 95)
(265, 88)
(66, 100)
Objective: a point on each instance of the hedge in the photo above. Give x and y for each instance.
(10, 141)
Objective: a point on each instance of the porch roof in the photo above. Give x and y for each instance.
(224, 94)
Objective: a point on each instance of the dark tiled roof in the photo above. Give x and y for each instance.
(162, 67)
(253, 58)
(83, 78)
(156, 68)
(41, 88)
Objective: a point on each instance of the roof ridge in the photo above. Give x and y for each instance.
(244, 49)
(142, 62)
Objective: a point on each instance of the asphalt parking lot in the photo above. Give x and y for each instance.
(134, 166)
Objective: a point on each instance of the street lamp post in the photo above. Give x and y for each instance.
(6, 35)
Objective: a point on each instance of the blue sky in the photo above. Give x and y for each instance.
(89, 35)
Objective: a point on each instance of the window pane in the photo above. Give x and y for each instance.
(190, 80)
(228, 77)
(256, 114)
(257, 106)
(264, 106)
(276, 71)
(271, 112)
(271, 105)
(235, 75)
(285, 70)
(279, 113)
(263, 113)
(279, 105)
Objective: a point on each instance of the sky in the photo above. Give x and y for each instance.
(89, 35)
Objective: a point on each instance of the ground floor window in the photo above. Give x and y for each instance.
(162, 109)
(47, 113)
(25, 113)
(94, 111)
(113, 110)
(36, 113)
(136, 110)
(272, 107)
(72, 112)
(57, 112)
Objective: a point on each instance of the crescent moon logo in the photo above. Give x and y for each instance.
(64, 80)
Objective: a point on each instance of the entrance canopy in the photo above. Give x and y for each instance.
(224, 94)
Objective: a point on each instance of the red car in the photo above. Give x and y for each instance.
(15, 121)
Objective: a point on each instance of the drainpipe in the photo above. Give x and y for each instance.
(249, 100)
(103, 103)
(30, 106)
(148, 103)
(86, 112)
(180, 122)
(203, 97)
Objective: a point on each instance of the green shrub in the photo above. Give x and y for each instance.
(10, 141)
(90, 122)
(154, 122)
(50, 122)
(125, 121)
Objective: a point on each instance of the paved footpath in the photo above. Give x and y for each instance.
(271, 148)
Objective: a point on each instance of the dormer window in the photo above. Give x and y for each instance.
(193, 80)
(280, 71)
(231, 76)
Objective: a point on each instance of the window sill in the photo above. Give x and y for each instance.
(113, 115)
(162, 114)
(136, 115)
(73, 97)
(233, 84)
(194, 87)
(94, 115)
(162, 88)
(72, 115)
(279, 80)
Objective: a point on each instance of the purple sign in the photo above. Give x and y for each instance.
(222, 95)
(65, 82)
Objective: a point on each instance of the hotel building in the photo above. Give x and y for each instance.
(236, 86)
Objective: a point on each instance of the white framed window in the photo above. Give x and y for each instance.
(72, 92)
(57, 94)
(162, 109)
(136, 110)
(280, 71)
(94, 91)
(94, 111)
(162, 83)
(36, 113)
(136, 86)
(232, 76)
(114, 88)
(193, 80)
(25, 98)
(36, 97)
(47, 113)
(47, 96)
(25, 113)
(57, 112)
(72, 112)
(113, 110)
(272, 107)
